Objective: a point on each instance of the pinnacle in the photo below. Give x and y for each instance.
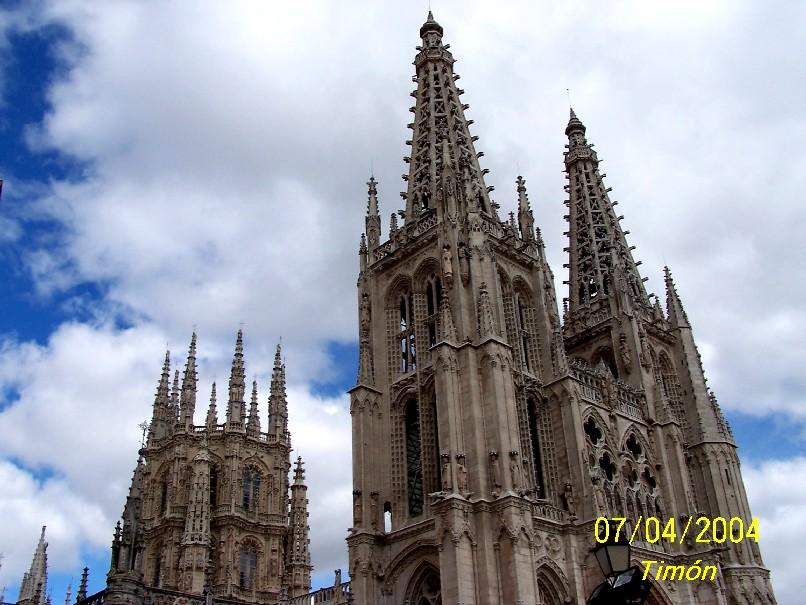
(430, 25)
(299, 471)
(574, 124)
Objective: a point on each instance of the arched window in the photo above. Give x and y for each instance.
(408, 356)
(433, 297)
(605, 354)
(522, 309)
(213, 488)
(414, 463)
(534, 436)
(157, 568)
(247, 567)
(251, 489)
(164, 497)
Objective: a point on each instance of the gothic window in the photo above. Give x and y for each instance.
(414, 463)
(164, 497)
(251, 489)
(247, 567)
(593, 432)
(408, 356)
(213, 488)
(607, 466)
(648, 480)
(157, 568)
(433, 297)
(537, 465)
(523, 333)
(633, 446)
(387, 517)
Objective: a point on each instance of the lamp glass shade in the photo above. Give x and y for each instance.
(613, 557)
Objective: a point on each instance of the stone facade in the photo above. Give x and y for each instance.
(489, 433)
(208, 511)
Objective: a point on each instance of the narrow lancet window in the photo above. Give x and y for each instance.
(414, 463)
(247, 568)
(534, 436)
(408, 355)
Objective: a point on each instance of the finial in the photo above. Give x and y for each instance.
(574, 124)
(430, 25)
(299, 472)
(143, 426)
(254, 392)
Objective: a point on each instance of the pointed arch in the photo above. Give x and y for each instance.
(551, 582)
(425, 586)
(646, 446)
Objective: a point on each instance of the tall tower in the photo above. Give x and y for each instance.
(298, 556)
(34, 585)
(488, 436)
(208, 508)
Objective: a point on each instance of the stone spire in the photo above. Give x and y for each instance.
(373, 219)
(446, 324)
(526, 220)
(173, 407)
(237, 386)
(82, 587)
(127, 544)
(68, 595)
(253, 424)
(441, 142)
(674, 306)
(33, 588)
(278, 404)
(601, 261)
(187, 400)
(298, 556)
(160, 421)
(212, 413)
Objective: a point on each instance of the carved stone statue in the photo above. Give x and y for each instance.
(364, 317)
(461, 474)
(447, 265)
(624, 351)
(495, 472)
(337, 581)
(446, 472)
(568, 494)
(515, 471)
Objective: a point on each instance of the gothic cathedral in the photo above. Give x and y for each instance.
(489, 432)
(209, 511)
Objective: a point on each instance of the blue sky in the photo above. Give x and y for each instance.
(167, 168)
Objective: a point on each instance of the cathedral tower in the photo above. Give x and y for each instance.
(208, 510)
(34, 585)
(488, 435)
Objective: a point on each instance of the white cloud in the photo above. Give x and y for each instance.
(227, 146)
(777, 494)
(75, 406)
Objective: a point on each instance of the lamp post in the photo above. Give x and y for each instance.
(623, 584)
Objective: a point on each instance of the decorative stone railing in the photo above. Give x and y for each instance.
(333, 595)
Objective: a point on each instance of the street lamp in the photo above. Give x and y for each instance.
(623, 584)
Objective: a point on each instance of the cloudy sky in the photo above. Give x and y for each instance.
(174, 164)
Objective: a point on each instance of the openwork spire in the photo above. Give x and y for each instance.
(82, 587)
(298, 556)
(33, 587)
(212, 412)
(237, 386)
(253, 424)
(373, 219)
(601, 261)
(187, 402)
(526, 220)
(278, 404)
(441, 144)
